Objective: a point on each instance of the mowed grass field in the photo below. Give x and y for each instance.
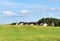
(29, 33)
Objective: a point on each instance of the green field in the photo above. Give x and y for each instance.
(29, 33)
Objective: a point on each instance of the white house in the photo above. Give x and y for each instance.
(45, 24)
(21, 24)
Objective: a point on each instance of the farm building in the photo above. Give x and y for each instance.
(27, 23)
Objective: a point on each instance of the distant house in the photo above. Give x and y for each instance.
(27, 23)
(41, 24)
(53, 24)
(20, 23)
(16, 23)
(45, 24)
(32, 23)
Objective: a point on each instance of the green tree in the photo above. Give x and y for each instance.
(13, 23)
(50, 21)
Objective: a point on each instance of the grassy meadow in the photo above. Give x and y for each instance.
(29, 33)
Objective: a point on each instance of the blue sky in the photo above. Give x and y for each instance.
(28, 10)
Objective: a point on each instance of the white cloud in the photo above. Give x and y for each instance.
(30, 12)
(9, 13)
(50, 15)
(53, 9)
(21, 13)
(49, 10)
(6, 3)
(25, 11)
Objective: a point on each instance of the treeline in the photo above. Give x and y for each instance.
(50, 21)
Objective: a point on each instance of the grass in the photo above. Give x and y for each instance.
(29, 33)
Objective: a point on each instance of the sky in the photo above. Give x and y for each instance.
(28, 10)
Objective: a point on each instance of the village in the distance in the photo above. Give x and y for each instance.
(41, 22)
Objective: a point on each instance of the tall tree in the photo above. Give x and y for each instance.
(50, 21)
